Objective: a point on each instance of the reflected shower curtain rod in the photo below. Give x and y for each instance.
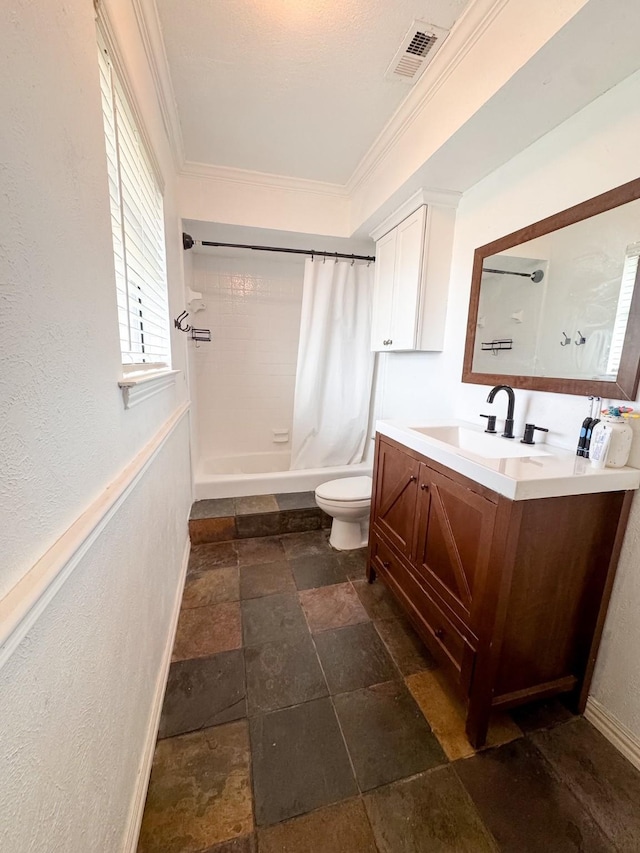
(535, 276)
(188, 242)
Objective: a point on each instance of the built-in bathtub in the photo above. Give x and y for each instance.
(236, 476)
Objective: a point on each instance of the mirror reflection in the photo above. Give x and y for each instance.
(558, 305)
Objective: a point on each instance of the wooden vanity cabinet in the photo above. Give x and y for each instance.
(510, 596)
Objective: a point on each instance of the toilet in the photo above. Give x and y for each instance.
(348, 502)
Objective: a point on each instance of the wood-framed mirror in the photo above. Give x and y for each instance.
(555, 306)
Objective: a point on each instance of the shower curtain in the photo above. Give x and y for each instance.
(335, 365)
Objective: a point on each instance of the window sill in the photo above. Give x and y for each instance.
(138, 388)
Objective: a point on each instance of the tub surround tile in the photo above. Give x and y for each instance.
(353, 657)
(405, 646)
(261, 524)
(205, 631)
(603, 781)
(300, 762)
(220, 555)
(273, 618)
(266, 579)
(203, 530)
(203, 692)
(296, 500)
(302, 520)
(254, 551)
(332, 607)
(341, 828)
(515, 780)
(213, 508)
(211, 587)
(256, 504)
(299, 544)
(386, 734)
(429, 812)
(283, 673)
(315, 570)
(195, 802)
(226, 519)
(446, 714)
(377, 600)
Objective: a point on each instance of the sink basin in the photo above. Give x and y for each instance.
(479, 443)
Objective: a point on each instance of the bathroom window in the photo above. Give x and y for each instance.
(137, 227)
(629, 273)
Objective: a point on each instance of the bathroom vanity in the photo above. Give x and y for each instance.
(503, 557)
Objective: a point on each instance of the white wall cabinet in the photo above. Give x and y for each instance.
(411, 282)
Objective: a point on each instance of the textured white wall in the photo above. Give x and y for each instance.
(595, 150)
(76, 696)
(244, 380)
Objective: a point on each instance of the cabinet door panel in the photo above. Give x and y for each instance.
(407, 280)
(453, 647)
(383, 291)
(453, 539)
(395, 498)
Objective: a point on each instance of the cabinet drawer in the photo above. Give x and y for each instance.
(437, 630)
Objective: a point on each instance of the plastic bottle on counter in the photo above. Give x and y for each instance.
(611, 439)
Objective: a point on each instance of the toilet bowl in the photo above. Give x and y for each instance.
(348, 502)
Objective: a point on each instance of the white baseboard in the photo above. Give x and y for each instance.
(136, 810)
(624, 740)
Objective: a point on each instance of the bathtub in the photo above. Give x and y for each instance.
(237, 476)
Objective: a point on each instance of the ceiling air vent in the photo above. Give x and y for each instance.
(417, 50)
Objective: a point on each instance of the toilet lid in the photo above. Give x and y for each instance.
(347, 489)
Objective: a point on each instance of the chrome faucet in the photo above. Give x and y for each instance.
(508, 424)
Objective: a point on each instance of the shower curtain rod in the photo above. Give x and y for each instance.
(535, 276)
(188, 242)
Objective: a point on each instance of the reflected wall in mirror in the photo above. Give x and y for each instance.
(555, 306)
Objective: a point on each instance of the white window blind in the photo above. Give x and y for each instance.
(137, 227)
(629, 272)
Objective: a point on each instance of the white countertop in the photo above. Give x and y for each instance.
(557, 473)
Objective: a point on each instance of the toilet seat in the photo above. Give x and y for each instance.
(353, 490)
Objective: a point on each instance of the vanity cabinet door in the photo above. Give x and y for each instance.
(454, 533)
(394, 506)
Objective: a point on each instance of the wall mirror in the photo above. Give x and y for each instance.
(555, 306)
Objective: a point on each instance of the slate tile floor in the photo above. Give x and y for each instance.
(303, 715)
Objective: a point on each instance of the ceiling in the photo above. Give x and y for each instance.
(288, 87)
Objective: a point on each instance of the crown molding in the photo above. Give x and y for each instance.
(440, 198)
(151, 34)
(466, 31)
(264, 180)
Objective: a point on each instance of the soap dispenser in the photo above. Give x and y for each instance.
(611, 440)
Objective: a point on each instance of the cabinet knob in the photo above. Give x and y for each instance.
(387, 342)
(424, 487)
(439, 632)
(412, 478)
(386, 564)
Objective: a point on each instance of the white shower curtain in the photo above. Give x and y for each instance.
(335, 365)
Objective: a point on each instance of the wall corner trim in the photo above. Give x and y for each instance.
(27, 600)
(615, 732)
(136, 810)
